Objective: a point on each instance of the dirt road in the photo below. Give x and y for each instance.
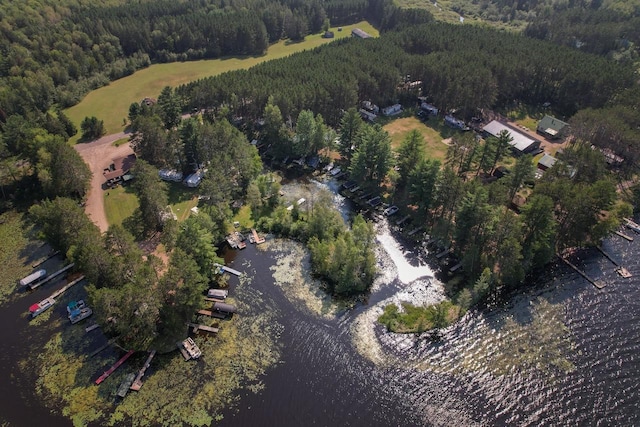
(98, 155)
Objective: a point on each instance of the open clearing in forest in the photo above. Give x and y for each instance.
(433, 131)
(111, 103)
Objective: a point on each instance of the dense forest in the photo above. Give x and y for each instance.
(54, 52)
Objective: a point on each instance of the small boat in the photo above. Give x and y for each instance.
(75, 305)
(33, 277)
(191, 349)
(220, 294)
(40, 307)
(80, 314)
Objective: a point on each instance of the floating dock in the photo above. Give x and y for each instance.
(196, 327)
(137, 383)
(456, 267)
(632, 225)
(228, 269)
(257, 239)
(66, 287)
(624, 236)
(111, 370)
(414, 231)
(123, 389)
(402, 221)
(619, 269)
(49, 277)
(443, 253)
(45, 259)
(92, 327)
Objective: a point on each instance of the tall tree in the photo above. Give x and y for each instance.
(152, 194)
(169, 108)
(372, 159)
(410, 154)
(350, 126)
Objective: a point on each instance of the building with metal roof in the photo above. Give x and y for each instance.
(552, 128)
(520, 142)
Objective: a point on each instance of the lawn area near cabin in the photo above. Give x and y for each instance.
(119, 204)
(433, 131)
(243, 216)
(111, 103)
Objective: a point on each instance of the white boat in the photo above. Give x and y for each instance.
(80, 314)
(33, 277)
(40, 307)
(220, 294)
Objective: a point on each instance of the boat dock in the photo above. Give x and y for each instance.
(228, 269)
(196, 327)
(110, 371)
(619, 269)
(49, 277)
(45, 259)
(632, 225)
(257, 239)
(123, 389)
(443, 253)
(624, 236)
(597, 283)
(402, 221)
(92, 327)
(66, 287)
(414, 231)
(137, 383)
(456, 267)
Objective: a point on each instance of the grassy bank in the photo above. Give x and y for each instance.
(433, 131)
(111, 103)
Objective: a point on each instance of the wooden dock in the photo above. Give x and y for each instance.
(66, 287)
(49, 277)
(257, 239)
(456, 267)
(414, 231)
(44, 259)
(631, 225)
(402, 221)
(205, 313)
(624, 236)
(228, 269)
(137, 383)
(619, 269)
(443, 253)
(597, 283)
(116, 365)
(125, 385)
(196, 327)
(92, 327)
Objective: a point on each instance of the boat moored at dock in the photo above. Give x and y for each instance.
(40, 307)
(33, 277)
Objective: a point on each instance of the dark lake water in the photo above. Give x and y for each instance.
(340, 368)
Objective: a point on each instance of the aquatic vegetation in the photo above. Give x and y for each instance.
(291, 273)
(415, 319)
(175, 392)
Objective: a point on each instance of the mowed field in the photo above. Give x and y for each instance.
(433, 131)
(111, 103)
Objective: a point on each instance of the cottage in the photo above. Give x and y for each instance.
(546, 162)
(194, 179)
(428, 108)
(451, 121)
(328, 35)
(118, 169)
(520, 143)
(552, 128)
(367, 115)
(392, 110)
(357, 32)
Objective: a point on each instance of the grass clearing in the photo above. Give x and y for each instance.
(433, 131)
(181, 200)
(120, 141)
(111, 103)
(243, 216)
(119, 204)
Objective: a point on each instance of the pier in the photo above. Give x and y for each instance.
(49, 277)
(402, 221)
(110, 371)
(624, 236)
(137, 383)
(257, 239)
(45, 259)
(632, 225)
(228, 269)
(92, 327)
(196, 327)
(456, 267)
(414, 231)
(443, 253)
(619, 269)
(597, 283)
(66, 287)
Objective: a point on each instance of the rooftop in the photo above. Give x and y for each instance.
(551, 125)
(520, 141)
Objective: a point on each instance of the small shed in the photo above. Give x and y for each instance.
(546, 162)
(357, 32)
(552, 128)
(328, 35)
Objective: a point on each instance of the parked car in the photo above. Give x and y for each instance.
(391, 210)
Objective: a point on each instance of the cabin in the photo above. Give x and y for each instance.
(452, 122)
(392, 110)
(367, 115)
(118, 170)
(552, 128)
(520, 143)
(429, 109)
(170, 175)
(546, 162)
(357, 32)
(371, 107)
(194, 179)
(328, 35)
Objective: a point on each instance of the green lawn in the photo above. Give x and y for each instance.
(111, 103)
(433, 131)
(243, 216)
(119, 204)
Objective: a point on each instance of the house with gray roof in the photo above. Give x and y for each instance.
(520, 143)
(552, 128)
